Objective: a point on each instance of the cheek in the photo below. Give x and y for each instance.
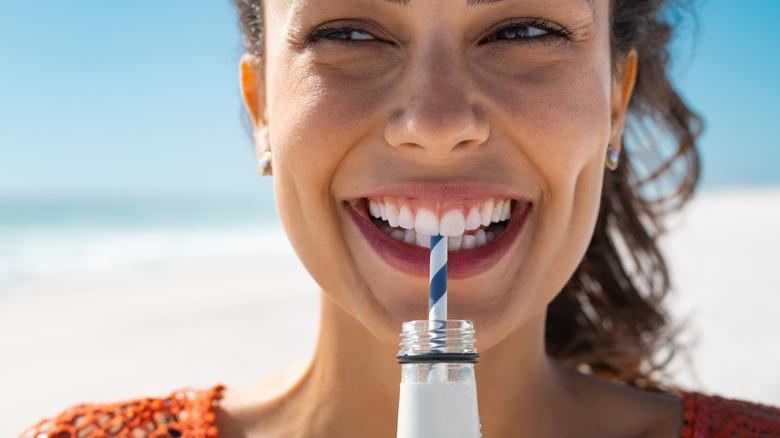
(559, 117)
(572, 157)
(561, 122)
(305, 159)
(317, 116)
(316, 120)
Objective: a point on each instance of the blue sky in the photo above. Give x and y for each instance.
(141, 96)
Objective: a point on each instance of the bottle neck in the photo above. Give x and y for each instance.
(430, 341)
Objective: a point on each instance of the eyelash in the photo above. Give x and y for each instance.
(324, 30)
(552, 31)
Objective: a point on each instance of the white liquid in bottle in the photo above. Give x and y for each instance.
(436, 410)
(438, 392)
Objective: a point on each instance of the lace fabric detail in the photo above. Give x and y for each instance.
(184, 414)
(717, 417)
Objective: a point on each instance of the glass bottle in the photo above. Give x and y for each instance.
(438, 391)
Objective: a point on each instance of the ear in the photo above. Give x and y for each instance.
(253, 94)
(622, 88)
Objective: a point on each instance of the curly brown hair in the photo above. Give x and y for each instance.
(609, 317)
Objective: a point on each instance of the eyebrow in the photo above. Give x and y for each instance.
(487, 2)
(472, 2)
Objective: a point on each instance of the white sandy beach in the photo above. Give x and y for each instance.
(112, 338)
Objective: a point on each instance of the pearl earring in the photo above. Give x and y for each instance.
(611, 161)
(264, 166)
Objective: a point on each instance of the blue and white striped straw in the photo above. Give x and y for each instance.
(437, 298)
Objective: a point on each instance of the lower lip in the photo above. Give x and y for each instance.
(414, 260)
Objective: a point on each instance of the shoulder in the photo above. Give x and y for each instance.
(712, 416)
(183, 414)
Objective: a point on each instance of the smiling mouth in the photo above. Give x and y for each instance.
(480, 231)
(466, 224)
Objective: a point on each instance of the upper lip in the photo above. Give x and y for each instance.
(439, 192)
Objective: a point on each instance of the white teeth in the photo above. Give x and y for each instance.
(496, 213)
(392, 215)
(473, 220)
(397, 234)
(481, 238)
(415, 229)
(452, 223)
(409, 237)
(423, 240)
(453, 243)
(374, 208)
(406, 218)
(506, 210)
(426, 222)
(490, 211)
(486, 212)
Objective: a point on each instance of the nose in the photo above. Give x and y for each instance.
(438, 109)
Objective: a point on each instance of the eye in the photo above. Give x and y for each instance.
(516, 33)
(355, 35)
(343, 33)
(528, 30)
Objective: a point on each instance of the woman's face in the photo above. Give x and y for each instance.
(485, 120)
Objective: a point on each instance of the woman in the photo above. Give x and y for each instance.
(499, 123)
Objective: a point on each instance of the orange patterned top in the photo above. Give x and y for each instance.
(716, 417)
(190, 414)
(183, 414)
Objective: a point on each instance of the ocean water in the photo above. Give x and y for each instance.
(55, 237)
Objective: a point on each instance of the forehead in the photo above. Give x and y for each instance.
(404, 3)
(467, 2)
